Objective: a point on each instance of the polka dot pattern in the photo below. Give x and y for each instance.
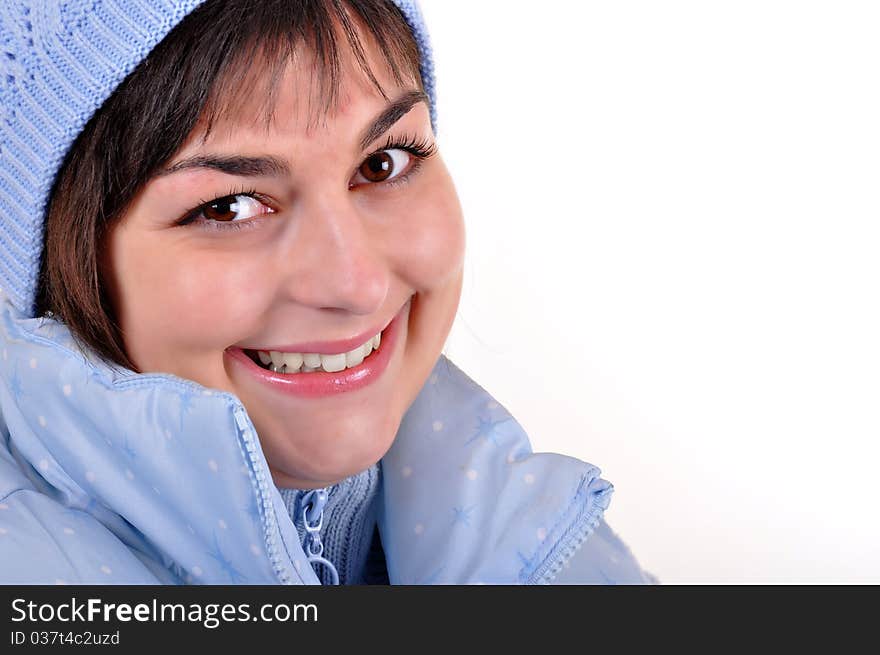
(478, 479)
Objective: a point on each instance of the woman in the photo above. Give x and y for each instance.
(231, 257)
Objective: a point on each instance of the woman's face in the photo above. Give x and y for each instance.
(319, 242)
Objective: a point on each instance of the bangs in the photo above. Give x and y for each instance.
(242, 49)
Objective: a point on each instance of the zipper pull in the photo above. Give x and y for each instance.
(312, 506)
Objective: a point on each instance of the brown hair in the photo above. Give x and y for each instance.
(198, 71)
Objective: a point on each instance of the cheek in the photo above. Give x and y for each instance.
(433, 238)
(170, 297)
(219, 291)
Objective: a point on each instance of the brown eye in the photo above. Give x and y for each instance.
(234, 208)
(221, 209)
(378, 167)
(385, 165)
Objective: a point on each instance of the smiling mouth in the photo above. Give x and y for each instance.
(293, 363)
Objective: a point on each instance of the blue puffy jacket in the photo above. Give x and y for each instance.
(107, 476)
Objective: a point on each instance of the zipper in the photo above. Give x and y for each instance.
(568, 550)
(269, 527)
(599, 491)
(312, 508)
(311, 505)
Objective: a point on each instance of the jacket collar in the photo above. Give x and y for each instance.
(176, 472)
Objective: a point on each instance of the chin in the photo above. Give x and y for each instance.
(320, 459)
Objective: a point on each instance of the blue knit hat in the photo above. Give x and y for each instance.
(59, 61)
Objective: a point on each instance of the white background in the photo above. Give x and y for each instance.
(672, 218)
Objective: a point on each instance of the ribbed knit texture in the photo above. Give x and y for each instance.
(348, 527)
(59, 61)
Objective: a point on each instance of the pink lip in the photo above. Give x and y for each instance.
(322, 383)
(325, 347)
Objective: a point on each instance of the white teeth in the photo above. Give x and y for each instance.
(293, 361)
(280, 362)
(333, 363)
(356, 356)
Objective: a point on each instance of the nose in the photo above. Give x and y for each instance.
(333, 261)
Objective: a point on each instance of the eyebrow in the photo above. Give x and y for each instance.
(393, 113)
(269, 166)
(263, 166)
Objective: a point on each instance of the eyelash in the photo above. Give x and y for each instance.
(421, 149)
